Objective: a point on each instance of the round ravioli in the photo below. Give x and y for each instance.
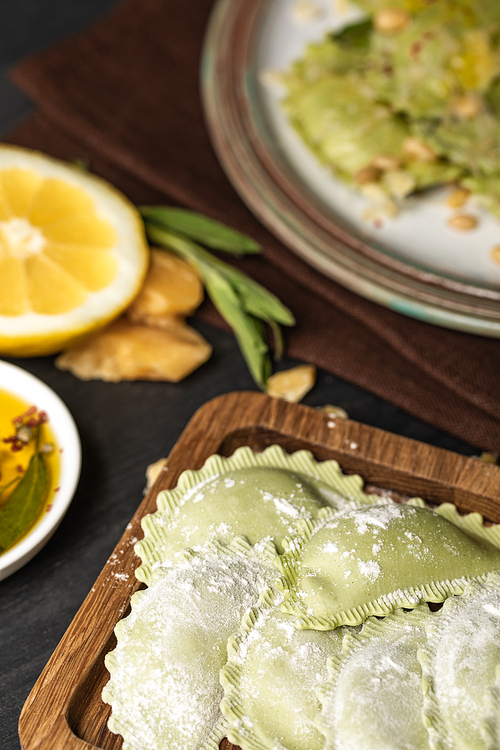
(164, 687)
(270, 679)
(491, 727)
(460, 667)
(251, 494)
(369, 560)
(373, 699)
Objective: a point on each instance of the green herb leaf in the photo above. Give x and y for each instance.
(356, 35)
(242, 302)
(247, 330)
(9, 484)
(200, 228)
(278, 340)
(258, 301)
(22, 508)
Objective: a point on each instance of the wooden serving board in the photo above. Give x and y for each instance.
(64, 711)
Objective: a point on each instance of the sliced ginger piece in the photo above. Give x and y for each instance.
(124, 351)
(292, 385)
(172, 289)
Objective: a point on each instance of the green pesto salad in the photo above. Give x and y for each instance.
(406, 99)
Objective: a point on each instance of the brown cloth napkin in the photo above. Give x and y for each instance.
(125, 95)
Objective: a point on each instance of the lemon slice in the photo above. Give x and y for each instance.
(73, 253)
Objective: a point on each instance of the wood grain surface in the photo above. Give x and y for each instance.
(64, 711)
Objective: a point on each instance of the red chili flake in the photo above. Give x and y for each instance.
(30, 420)
(20, 469)
(49, 507)
(378, 224)
(57, 489)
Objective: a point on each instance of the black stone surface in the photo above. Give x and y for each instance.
(123, 427)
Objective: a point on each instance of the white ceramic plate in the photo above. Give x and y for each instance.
(29, 388)
(420, 234)
(414, 264)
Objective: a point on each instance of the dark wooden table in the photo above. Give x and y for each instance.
(123, 427)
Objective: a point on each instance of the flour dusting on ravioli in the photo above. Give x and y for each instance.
(270, 679)
(373, 698)
(491, 726)
(460, 666)
(257, 495)
(369, 560)
(164, 687)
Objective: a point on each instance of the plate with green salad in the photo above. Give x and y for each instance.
(367, 137)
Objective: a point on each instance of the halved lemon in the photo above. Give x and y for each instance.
(73, 253)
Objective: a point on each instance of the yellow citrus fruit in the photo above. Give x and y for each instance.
(73, 254)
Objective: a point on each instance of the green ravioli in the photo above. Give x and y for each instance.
(366, 561)
(491, 725)
(270, 679)
(343, 126)
(373, 699)
(362, 91)
(257, 495)
(164, 687)
(460, 668)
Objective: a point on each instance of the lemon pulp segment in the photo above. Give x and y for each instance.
(73, 253)
(54, 248)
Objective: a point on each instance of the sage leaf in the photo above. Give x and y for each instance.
(278, 340)
(257, 300)
(200, 228)
(356, 35)
(241, 301)
(22, 508)
(247, 330)
(9, 484)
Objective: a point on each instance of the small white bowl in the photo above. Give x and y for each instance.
(29, 388)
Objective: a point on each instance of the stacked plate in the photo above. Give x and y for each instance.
(414, 264)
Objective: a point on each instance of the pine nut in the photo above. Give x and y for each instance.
(385, 162)
(467, 106)
(458, 197)
(391, 20)
(366, 175)
(417, 150)
(495, 253)
(463, 222)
